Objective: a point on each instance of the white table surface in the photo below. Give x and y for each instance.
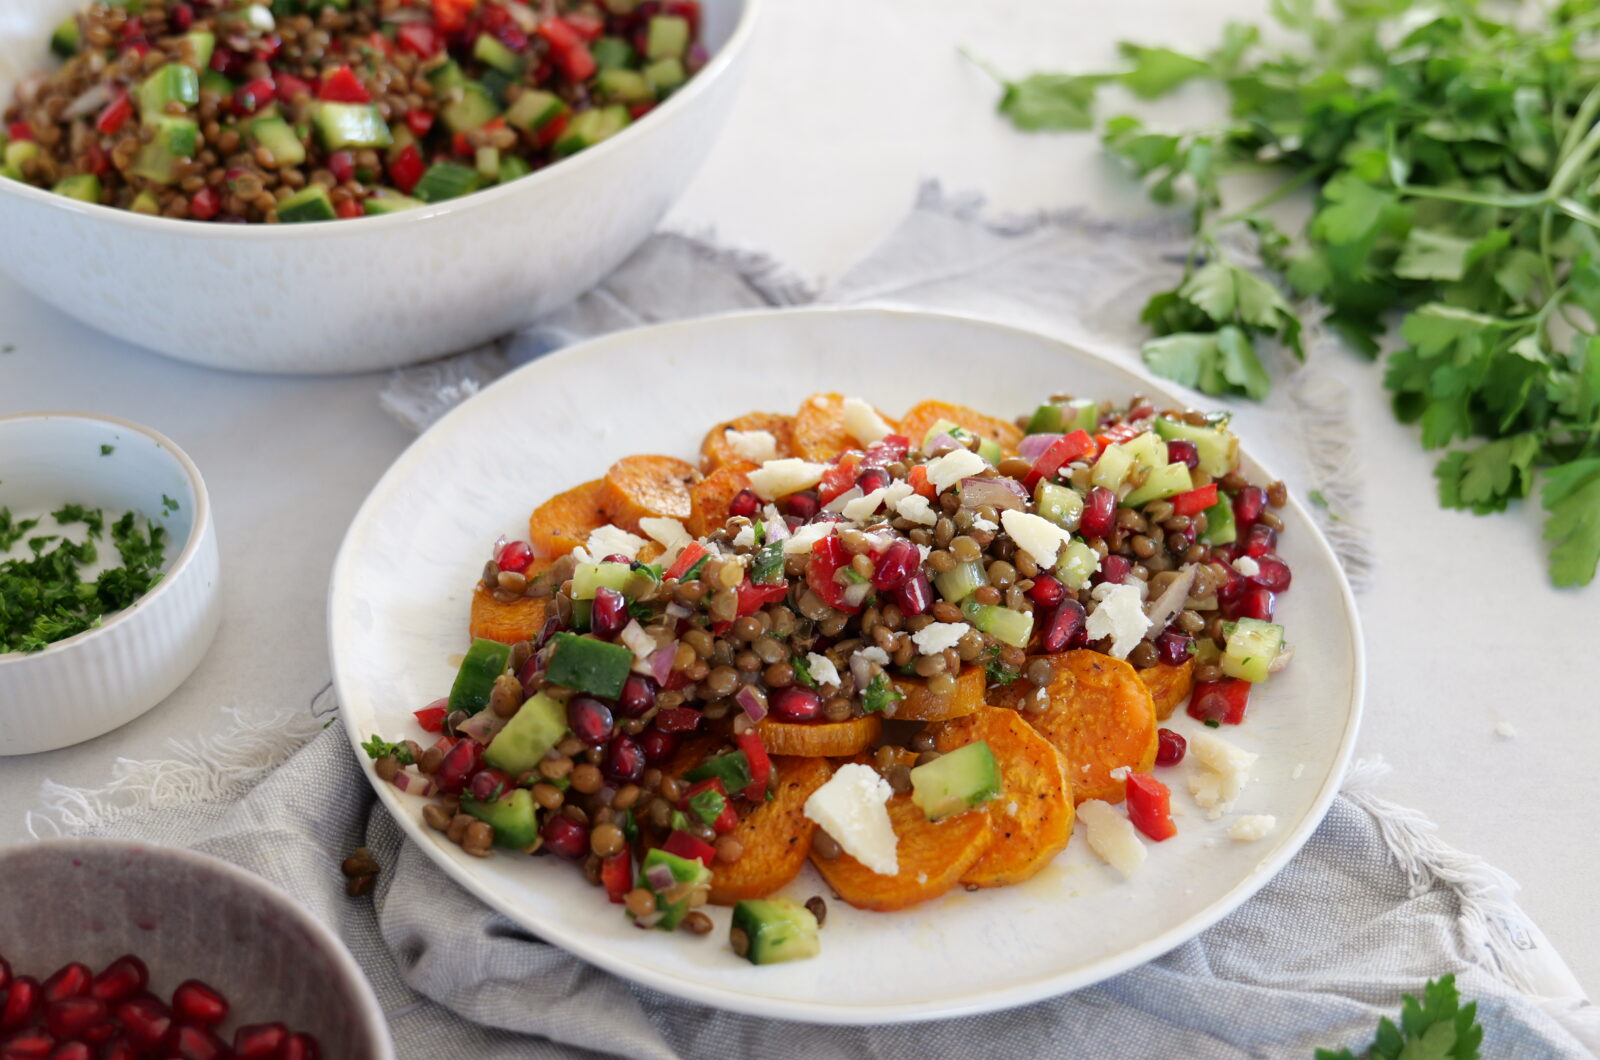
(848, 105)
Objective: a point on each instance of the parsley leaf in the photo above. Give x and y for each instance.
(802, 671)
(998, 672)
(377, 747)
(1157, 71)
(1438, 1027)
(1218, 362)
(1486, 478)
(1572, 499)
(1050, 101)
(878, 694)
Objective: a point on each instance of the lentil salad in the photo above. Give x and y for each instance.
(690, 680)
(312, 110)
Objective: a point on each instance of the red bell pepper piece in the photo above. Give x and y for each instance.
(1150, 806)
(341, 85)
(755, 753)
(616, 873)
(1062, 451)
(1120, 433)
(115, 113)
(19, 130)
(431, 718)
(753, 598)
(451, 15)
(827, 556)
(568, 49)
(418, 38)
(587, 26)
(692, 553)
(679, 719)
(98, 163)
(687, 846)
(381, 44)
(917, 477)
(205, 204)
(290, 87)
(407, 168)
(268, 47)
(1195, 501)
(552, 130)
(889, 449)
(419, 121)
(351, 208)
(728, 818)
(1223, 700)
(840, 477)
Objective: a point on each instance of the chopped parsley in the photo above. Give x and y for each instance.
(1213, 723)
(652, 571)
(694, 572)
(630, 827)
(802, 672)
(168, 503)
(998, 672)
(1439, 1027)
(13, 531)
(767, 569)
(107, 450)
(852, 577)
(377, 748)
(879, 694)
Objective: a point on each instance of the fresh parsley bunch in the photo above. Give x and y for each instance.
(1455, 161)
(1438, 1027)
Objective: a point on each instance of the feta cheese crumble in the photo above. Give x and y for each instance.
(1037, 536)
(952, 467)
(1247, 566)
(1120, 616)
(746, 537)
(1255, 826)
(613, 541)
(842, 501)
(863, 421)
(916, 509)
(861, 509)
(937, 636)
(874, 654)
(779, 478)
(1112, 836)
(897, 491)
(821, 669)
(804, 537)
(669, 533)
(755, 446)
(852, 808)
(1224, 770)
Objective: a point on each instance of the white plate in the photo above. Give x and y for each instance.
(398, 611)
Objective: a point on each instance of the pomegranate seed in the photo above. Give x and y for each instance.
(679, 719)
(1257, 603)
(32, 1044)
(268, 47)
(460, 762)
(515, 557)
(21, 1003)
(488, 784)
(1173, 646)
(589, 719)
(1260, 540)
(1099, 513)
(899, 561)
(873, 478)
(259, 1041)
(1141, 412)
(1247, 505)
(638, 696)
(1170, 747)
(182, 17)
(123, 977)
(617, 557)
(1065, 627)
(1047, 591)
(625, 760)
(301, 1047)
(795, 703)
(100, 1033)
(146, 1020)
(610, 612)
(565, 837)
(5, 974)
(1114, 569)
(70, 1016)
(552, 626)
(802, 505)
(253, 95)
(119, 1049)
(71, 1051)
(1274, 574)
(205, 204)
(196, 1043)
(342, 164)
(1234, 587)
(657, 746)
(1183, 451)
(70, 981)
(744, 503)
(915, 595)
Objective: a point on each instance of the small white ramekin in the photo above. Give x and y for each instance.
(87, 685)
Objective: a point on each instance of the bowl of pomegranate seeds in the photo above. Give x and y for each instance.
(121, 951)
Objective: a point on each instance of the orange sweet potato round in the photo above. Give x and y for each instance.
(566, 520)
(933, 857)
(920, 704)
(520, 619)
(819, 430)
(637, 487)
(710, 498)
(776, 835)
(716, 452)
(916, 422)
(1169, 686)
(1032, 817)
(1100, 717)
(823, 739)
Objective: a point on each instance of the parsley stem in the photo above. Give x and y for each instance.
(1582, 120)
(1282, 191)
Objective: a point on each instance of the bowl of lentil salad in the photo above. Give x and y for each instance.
(478, 163)
(1091, 933)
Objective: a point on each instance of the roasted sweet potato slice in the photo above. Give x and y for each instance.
(819, 430)
(717, 452)
(566, 520)
(1169, 686)
(915, 423)
(710, 497)
(933, 857)
(641, 486)
(520, 619)
(920, 704)
(1100, 717)
(823, 739)
(1032, 818)
(692, 750)
(776, 835)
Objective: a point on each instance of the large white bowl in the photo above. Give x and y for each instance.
(375, 292)
(81, 687)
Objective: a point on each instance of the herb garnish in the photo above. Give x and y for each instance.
(802, 671)
(878, 694)
(1438, 1027)
(377, 748)
(999, 673)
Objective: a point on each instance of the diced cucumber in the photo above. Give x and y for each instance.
(67, 38)
(1221, 529)
(511, 816)
(1206, 652)
(1164, 482)
(275, 135)
(1002, 623)
(1217, 446)
(587, 577)
(180, 136)
(513, 167)
(612, 53)
(1252, 645)
(733, 769)
(311, 203)
(591, 127)
(145, 203)
(475, 109)
(446, 180)
(485, 661)
(665, 76)
(155, 162)
(667, 38)
(1064, 417)
(961, 581)
(534, 110)
(1147, 450)
(492, 53)
(1062, 505)
(445, 76)
(85, 187)
(20, 151)
(1111, 467)
(10, 173)
(172, 83)
(341, 125)
(988, 448)
(211, 81)
(487, 162)
(687, 875)
(779, 929)
(966, 777)
(538, 725)
(390, 201)
(1077, 564)
(624, 86)
(497, 85)
(587, 665)
(197, 48)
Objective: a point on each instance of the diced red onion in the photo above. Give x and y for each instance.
(677, 610)
(1165, 607)
(642, 644)
(661, 662)
(499, 545)
(648, 921)
(482, 726)
(861, 670)
(92, 99)
(998, 493)
(943, 442)
(777, 526)
(856, 593)
(444, 742)
(660, 877)
(750, 700)
(414, 783)
(1033, 446)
